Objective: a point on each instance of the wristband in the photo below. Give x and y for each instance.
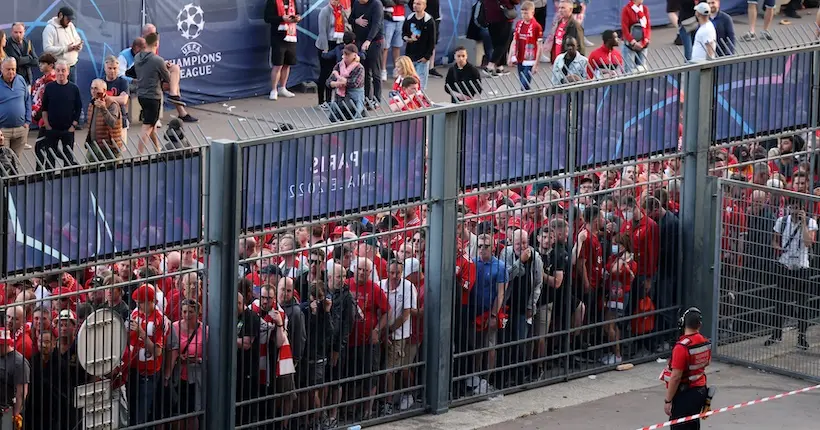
(667, 401)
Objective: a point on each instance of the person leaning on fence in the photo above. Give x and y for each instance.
(571, 66)
(606, 61)
(61, 108)
(463, 81)
(794, 234)
(636, 29)
(104, 139)
(347, 79)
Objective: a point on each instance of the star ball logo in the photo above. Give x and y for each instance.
(194, 63)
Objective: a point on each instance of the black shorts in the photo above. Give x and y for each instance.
(363, 361)
(150, 110)
(282, 53)
(311, 373)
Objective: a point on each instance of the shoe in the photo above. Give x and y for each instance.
(749, 36)
(324, 106)
(285, 93)
(384, 75)
(406, 402)
(773, 340)
(274, 95)
(490, 73)
(434, 72)
(545, 58)
(588, 43)
(387, 409)
(159, 124)
(678, 42)
(501, 71)
(611, 359)
(802, 343)
(176, 100)
(188, 118)
(765, 35)
(27, 146)
(792, 14)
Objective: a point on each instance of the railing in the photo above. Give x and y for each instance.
(421, 201)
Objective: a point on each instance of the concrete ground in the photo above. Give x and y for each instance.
(249, 118)
(629, 400)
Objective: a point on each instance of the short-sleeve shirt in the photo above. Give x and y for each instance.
(593, 253)
(527, 37)
(14, 371)
(488, 275)
(404, 297)
(248, 325)
(155, 328)
(706, 35)
(370, 302)
(116, 87)
(795, 254)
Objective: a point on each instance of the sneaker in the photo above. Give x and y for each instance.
(545, 58)
(384, 75)
(773, 340)
(331, 423)
(588, 43)
(792, 14)
(285, 93)
(159, 124)
(501, 71)
(176, 100)
(406, 402)
(678, 41)
(274, 95)
(324, 106)
(436, 73)
(387, 409)
(749, 36)
(491, 73)
(611, 359)
(802, 343)
(188, 118)
(27, 146)
(664, 347)
(765, 35)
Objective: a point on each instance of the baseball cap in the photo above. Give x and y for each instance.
(271, 269)
(339, 231)
(145, 293)
(411, 265)
(703, 9)
(514, 222)
(67, 314)
(67, 12)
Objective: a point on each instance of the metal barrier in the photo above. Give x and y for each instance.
(331, 283)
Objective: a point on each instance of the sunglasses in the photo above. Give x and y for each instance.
(315, 261)
(484, 246)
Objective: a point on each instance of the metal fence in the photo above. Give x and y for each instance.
(367, 270)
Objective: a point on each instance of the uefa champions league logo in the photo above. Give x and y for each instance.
(190, 21)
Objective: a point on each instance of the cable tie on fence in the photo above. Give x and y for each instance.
(727, 408)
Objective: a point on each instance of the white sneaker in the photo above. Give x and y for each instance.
(384, 75)
(159, 124)
(27, 146)
(406, 402)
(274, 95)
(285, 93)
(611, 359)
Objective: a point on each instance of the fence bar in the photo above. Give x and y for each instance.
(443, 147)
(222, 232)
(698, 191)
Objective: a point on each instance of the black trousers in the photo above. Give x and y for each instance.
(795, 287)
(373, 71)
(501, 34)
(325, 69)
(46, 148)
(685, 403)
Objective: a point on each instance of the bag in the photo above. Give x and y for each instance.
(195, 373)
(510, 14)
(637, 32)
(131, 73)
(645, 324)
(689, 24)
(479, 14)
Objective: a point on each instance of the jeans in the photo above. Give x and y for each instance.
(487, 41)
(525, 76)
(423, 70)
(686, 39)
(141, 392)
(72, 74)
(373, 70)
(350, 107)
(46, 148)
(633, 59)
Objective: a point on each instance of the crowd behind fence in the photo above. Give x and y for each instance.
(377, 269)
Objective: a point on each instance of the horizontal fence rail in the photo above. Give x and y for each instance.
(365, 270)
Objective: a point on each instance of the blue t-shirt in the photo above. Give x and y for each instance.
(488, 275)
(116, 87)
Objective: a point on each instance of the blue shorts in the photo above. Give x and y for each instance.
(392, 34)
(767, 4)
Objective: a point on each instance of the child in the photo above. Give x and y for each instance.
(526, 48)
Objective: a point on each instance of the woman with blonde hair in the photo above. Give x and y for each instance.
(404, 68)
(3, 42)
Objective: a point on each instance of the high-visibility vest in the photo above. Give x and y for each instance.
(700, 356)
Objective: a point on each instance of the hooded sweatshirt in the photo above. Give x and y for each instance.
(56, 39)
(151, 72)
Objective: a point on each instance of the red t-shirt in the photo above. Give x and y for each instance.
(623, 278)
(417, 101)
(23, 343)
(680, 357)
(466, 277)
(646, 242)
(603, 58)
(592, 252)
(370, 302)
(527, 35)
(558, 39)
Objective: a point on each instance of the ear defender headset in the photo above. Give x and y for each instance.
(682, 320)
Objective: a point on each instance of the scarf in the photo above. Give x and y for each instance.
(284, 360)
(638, 9)
(338, 23)
(344, 71)
(288, 27)
(397, 12)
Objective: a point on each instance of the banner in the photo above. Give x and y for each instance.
(333, 173)
(97, 214)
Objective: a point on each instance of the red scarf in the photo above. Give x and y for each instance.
(338, 23)
(288, 27)
(396, 12)
(638, 9)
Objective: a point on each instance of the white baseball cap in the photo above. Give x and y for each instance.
(703, 9)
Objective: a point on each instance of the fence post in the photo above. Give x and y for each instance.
(223, 190)
(698, 206)
(444, 142)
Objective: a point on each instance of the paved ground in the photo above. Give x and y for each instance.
(249, 118)
(628, 400)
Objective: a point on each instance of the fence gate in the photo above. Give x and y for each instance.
(768, 278)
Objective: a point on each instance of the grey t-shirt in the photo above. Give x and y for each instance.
(14, 371)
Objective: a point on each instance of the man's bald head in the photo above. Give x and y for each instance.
(138, 44)
(148, 29)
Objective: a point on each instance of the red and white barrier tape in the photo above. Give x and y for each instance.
(727, 408)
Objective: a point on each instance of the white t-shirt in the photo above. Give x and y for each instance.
(404, 297)
(706, 35)
(795, 253)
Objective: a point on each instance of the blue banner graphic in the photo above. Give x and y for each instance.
(96, 214)
(333, 173)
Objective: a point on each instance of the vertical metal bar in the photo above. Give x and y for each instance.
(572, 151)
(695, 196)
(441, 259)
(222, 238)
(813, 113)
(715, 310)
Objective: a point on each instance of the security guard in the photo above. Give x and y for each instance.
(685, 377)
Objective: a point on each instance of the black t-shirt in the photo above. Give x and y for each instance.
(556, 259)
(72, 374)
(14, 370)
(247, 361)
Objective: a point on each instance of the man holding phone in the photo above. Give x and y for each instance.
(282, 17)
(60, 38)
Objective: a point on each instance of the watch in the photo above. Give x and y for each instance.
(667, 401)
